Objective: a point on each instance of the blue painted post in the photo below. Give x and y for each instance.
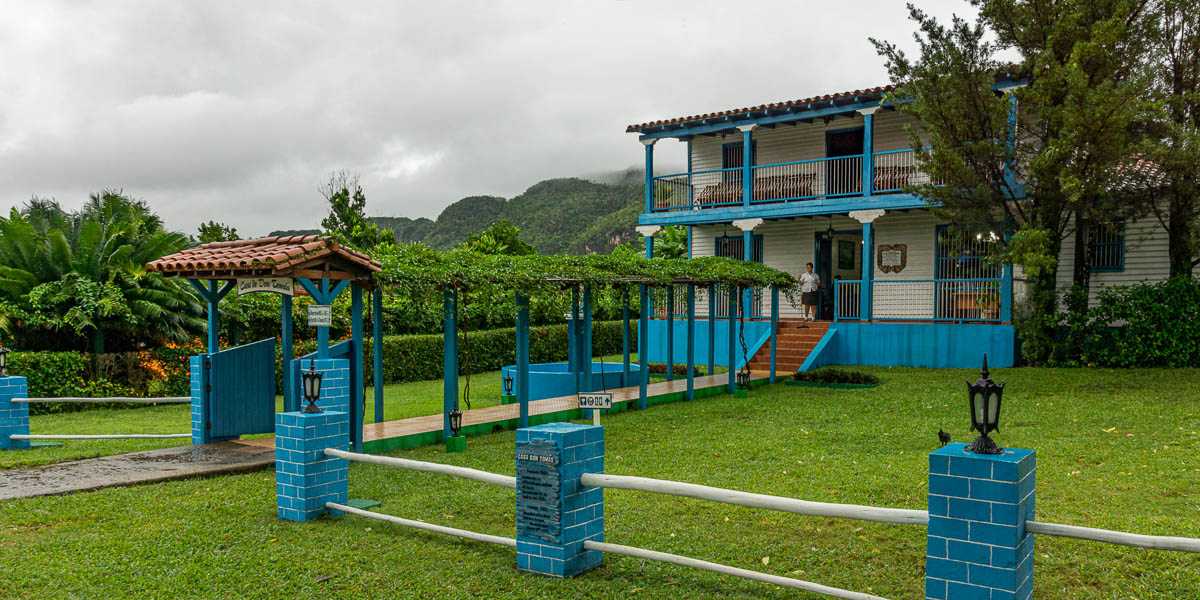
(586, 340)
(747, 165)
(691, 342)
(868, 268)
(836, 303)
(671, 332)
(774, 328)
(1006, 288)
(14, 416)
(712, 329)
(643, 347)
(449, 359)
(649, 144)
(733, 311)
(748, 256)
(522, 383)
(358, 393)
(556, 513)
(323, 332)
(868, 164)
(305, 479)
(377, 350)
(214, 340)
(977, 544)
(285, 334)
(625, 337)
(574, 352)
(649, 246)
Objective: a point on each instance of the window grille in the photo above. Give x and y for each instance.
(1108, 246)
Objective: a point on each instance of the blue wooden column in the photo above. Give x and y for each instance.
(323, 332)
(747, 164)
(212, 295)
(649, 144)
(523, 358)
(643, 346)
(625, 337)
(1006, 289)
(585, 339)
(358, 393)
(712, 329)
(322, 295)
(733, 303)
(449, 358)
(575, 355)
(671, 332)
(377, 350)
(748, 256)
(291, 401)
(868, 158)
(691, 342)
(774, 328)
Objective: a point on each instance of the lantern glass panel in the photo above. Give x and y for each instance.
(993, 406)
(978, 408)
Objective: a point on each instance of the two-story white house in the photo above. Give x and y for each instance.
(822, 180)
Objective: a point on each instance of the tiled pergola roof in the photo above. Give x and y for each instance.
(313, 256)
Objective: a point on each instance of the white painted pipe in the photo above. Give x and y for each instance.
(792, 505)
(417, 465)
(1154, 542)
(727, 570)
(123, 399)
(131, 436)
(462, 533)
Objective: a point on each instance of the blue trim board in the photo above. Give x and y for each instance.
(935, 345)
(757, 334)
(815, 358)
(779, 210)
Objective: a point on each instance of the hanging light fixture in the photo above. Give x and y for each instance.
(830, 232)
(312, 389)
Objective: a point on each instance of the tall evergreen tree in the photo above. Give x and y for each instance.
(347, 213)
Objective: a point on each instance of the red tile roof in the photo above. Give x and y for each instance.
(278, 254)
(763, 107)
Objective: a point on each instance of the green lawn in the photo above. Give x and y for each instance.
(401, 401)
(1117, 449)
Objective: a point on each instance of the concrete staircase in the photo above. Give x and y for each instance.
(796, 340)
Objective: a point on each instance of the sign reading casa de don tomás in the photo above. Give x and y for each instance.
(277, 285)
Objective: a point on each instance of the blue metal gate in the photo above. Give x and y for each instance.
(242, 397)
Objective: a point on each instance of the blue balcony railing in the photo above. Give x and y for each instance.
(923, 300)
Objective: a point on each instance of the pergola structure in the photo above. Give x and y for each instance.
(320, 265)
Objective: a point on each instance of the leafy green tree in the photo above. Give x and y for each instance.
(672, 242)
(213, 231)
(72, 276)
(1056, 164)
(500, 238)
(347, 213)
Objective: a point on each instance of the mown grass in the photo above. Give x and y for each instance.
(1116, 449)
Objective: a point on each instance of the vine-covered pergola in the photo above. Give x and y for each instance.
(416, 270)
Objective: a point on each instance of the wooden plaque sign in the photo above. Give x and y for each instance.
(893, 259)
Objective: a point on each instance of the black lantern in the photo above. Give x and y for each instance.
(830, 232)
(3, 360)
(743, 379)
(508, 384)
(455, 422)
(985, 397)
(312, 390)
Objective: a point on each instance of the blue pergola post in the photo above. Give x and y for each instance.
(213, 297)
(733, 302)
(712, 329)
(625, 337)
(377, 350)
(449, 358)
(291, 402)
(774, 328)
(358, 393)
(586, 339)
(323, 332)
(643, 346)
(523, 358)
(671, 332)
(691, 342)
(575, 356)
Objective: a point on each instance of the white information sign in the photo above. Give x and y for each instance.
(603, 401)
(278, 285)
(320, 315)
(890, 258)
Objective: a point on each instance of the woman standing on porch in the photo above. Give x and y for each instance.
(810, 283)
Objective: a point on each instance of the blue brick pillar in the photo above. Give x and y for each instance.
(335, 382)
(305, 479)
(14, 416)
(977, 543)
(555, 512)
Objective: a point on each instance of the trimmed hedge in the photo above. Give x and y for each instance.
(834, 375)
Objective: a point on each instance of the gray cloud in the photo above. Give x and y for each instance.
(237, 111)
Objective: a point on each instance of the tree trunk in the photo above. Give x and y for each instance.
(1081, 280)
(1181, 243)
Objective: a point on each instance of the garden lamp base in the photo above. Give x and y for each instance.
(456, 443)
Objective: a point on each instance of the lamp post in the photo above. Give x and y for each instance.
(455, 421)
(985, 397)
(4, 361)
(312, 389)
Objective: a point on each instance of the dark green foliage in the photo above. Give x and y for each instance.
(213, 231)
(1146, 325)
(836, 375)
(404, 229)
(347, 217)
(463, 218)
(500, 238)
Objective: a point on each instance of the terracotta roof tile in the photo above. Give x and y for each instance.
(763, 107)
(275, 253)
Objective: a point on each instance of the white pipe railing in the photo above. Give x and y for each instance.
(1153, 542)
(462, 533)
(803, 507)
(727, 570)
(428, 467)
(114, 436)
(123, 399)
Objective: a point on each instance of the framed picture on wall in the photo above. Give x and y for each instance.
(845, 254)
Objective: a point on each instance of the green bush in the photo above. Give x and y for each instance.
(834, 375)
(1145, 325)
(59, 374)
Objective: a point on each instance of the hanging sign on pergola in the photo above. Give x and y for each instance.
(276, 285)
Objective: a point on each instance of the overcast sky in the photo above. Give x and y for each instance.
(236, 111)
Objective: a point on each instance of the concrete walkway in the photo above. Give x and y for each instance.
(138, 467)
